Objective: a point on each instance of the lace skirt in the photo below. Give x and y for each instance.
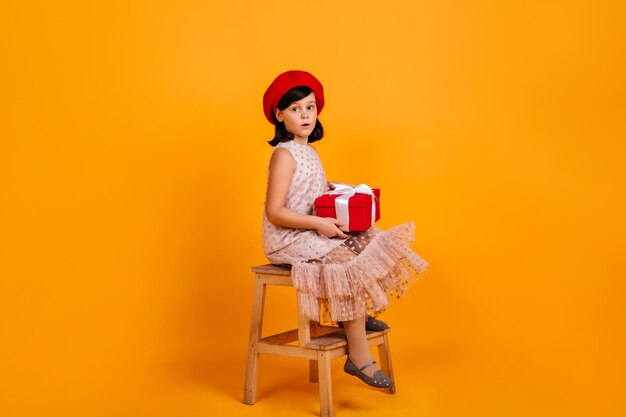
(359, 276)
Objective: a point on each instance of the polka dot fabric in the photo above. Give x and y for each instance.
(282, 244)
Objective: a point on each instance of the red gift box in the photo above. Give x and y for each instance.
(359, 210)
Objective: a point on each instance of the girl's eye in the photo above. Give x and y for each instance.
(311, 107)
(294, 109)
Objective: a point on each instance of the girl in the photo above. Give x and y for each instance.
(350, 275)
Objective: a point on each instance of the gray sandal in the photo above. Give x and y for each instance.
(374, 324)
(371, 324)
(378, 380)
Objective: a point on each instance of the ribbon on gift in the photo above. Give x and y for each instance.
(346, 192)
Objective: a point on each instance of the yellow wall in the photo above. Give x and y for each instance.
(133, 163)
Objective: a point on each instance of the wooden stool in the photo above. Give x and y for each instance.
(318, 344)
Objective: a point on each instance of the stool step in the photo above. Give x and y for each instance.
(338, 339)
(326, 338)
(292, 335)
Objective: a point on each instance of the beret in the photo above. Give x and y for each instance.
(285, 82)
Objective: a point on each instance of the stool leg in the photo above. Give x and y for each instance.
(384, 355)
(256, 328)
(305, 330)
(326, 387)
(313, 371)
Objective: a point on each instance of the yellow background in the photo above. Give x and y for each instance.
(133, 170)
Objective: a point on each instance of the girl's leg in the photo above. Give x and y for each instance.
(358, 349)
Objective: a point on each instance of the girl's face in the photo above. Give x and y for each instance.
(299, 117)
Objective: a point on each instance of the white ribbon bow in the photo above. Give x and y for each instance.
(341, 203)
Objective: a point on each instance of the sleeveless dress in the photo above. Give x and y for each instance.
(338, 279)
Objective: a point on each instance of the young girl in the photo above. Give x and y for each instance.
(351, 275)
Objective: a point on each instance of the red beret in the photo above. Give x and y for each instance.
(285, 82)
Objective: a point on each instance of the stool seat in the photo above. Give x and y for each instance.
(310, 340)
(273, 269)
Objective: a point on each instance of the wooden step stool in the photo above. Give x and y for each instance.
(318, 344)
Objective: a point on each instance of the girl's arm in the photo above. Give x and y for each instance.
(282, 167)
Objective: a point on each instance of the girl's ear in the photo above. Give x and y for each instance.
(279, 115)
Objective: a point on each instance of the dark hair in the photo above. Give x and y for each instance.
(280, 133)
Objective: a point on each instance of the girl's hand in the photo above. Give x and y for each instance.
(329, 227)
(332, 186)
